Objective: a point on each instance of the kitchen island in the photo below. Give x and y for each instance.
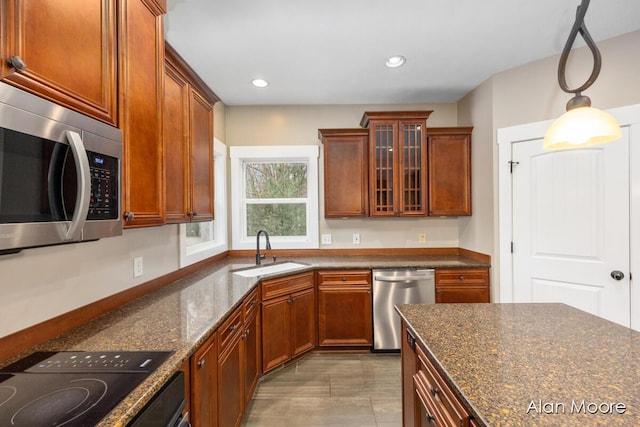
(525, 364)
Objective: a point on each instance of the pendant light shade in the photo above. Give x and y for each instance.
(581, 125)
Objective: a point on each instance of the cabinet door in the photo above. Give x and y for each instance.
(230, 384)
(412, 165)
(69, 52)
(450, 173)
(382, 163)
(201, 157)
(346, 174)
(141, 64)
(303, 324)
(252, 351)
(176, 145)
(276, 332)
(204, 380)
(344, 308)
(409, 368)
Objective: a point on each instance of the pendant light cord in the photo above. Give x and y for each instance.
(579, 27)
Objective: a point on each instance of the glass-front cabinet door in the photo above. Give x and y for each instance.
(397, 161)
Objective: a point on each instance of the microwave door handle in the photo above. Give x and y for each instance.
(84, 185)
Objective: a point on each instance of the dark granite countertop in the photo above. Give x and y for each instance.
(181, 316)
(533, 364)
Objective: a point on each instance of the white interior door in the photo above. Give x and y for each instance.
(571, 227)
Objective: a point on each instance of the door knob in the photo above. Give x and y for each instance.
(618, 275)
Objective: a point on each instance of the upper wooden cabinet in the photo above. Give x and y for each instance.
(346, 174)
(188, 143)
(62, 52)
(449, 157)
(397, 162)
(141, 45)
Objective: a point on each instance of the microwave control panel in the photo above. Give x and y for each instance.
(104, 186)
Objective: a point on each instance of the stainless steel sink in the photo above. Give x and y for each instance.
(281, 267)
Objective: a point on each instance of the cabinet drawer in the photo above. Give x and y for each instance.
(346, 277)
(462, 276)
(251, 304)
(448, 409)
(230, 327)
(286, 285)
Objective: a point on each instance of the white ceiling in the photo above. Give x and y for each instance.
(333, 51)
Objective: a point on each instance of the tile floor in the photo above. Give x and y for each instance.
(346, 390)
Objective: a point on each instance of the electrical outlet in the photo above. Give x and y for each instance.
(137, 267)
(326, 239)
(356, 238)
(422, 238)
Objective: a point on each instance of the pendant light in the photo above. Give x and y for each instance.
(582, 125)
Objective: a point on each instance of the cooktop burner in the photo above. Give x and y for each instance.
(70, 388)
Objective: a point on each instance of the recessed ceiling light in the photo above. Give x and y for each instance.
(395, 61)
(259, 82)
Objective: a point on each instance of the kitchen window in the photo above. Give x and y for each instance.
(201, 240)
(275, 188)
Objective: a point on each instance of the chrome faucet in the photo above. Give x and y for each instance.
(259, 256)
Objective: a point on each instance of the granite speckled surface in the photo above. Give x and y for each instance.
(533, 364)
(184, 314)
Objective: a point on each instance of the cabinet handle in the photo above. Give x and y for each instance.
(17, 63)
(289, 301)
(293, 299)
(194, 213)
(128, 216)
(201, 363)
(461, 277)
(246, 333)
(344, 279)
(434, 390)
(430, 418)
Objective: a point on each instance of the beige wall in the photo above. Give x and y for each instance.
(527, 94)
(38, 284)
(298, 125)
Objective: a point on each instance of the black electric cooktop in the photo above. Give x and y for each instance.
(71, 388)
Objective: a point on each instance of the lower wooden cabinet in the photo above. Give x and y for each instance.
(204, 384)
(344, 308)
(288, 319)
(427, 399)
(462, 285)
(252, 345)
(230, 377)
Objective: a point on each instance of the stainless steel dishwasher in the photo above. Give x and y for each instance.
(391, 287)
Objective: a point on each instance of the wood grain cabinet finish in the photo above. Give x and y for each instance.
(288, 319)
(437, 404)
(204, 384)
(449, 166)
(230, 397)
(344, 308)
(141, 59)
(346, 172)
(188, 145)
(62, 52)
(463, 285)
(397, 162)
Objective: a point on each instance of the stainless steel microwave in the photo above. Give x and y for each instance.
(59, 174)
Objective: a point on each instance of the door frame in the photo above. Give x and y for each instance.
(628, 116)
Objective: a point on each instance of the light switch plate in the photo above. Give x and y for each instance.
(326, 239)
(356, 238)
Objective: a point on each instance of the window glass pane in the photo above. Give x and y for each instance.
(199, 232)
(275, 180)
(279, 219)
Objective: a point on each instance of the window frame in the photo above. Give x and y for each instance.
(201, 251)
(287, 153)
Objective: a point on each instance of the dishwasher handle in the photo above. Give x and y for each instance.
(404, 279)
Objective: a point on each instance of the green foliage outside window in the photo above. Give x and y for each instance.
(276, 181)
